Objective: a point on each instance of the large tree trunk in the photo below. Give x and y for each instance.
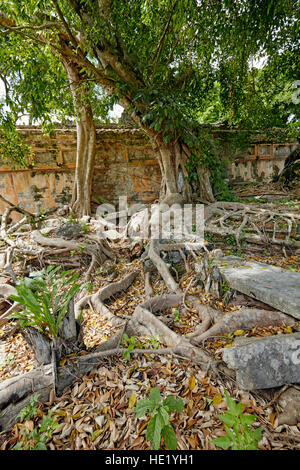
(86, 142)
(175, 185)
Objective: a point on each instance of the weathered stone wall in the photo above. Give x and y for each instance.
(261, 161)
(125, 165)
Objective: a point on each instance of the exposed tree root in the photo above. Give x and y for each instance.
(146, 320)
(245, 318)
(162, 268)
(96, 301)
(5, 292)
(17, 244)
(256, 225)
(148, 287)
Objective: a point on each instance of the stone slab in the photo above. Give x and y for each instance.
(267, 362)
(272, 285)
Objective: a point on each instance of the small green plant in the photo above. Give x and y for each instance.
(45, 297)
(129, 343)
(239, 252)
(30, 410)
(89, 287)
(225, 287)
(71, 219)
(79, 250)
(84, 227)
(230, 240)
(176, 316)
(154, 342)
(8, 361)
(35, 221)
(159, 424)
(239, 432)
(210, 238)
(38, 437)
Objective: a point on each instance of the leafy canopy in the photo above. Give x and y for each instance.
(161, 58)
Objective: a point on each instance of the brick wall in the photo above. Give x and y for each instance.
(125, 164)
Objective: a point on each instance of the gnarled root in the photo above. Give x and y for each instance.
(162, 268)
(97, 300)
(254, 224)
(245, 318)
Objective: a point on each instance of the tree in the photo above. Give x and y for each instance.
(48, 88)
(161, 58)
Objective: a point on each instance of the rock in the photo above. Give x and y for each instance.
(216, 253)
(70, 230)
(85, 219)
(62, 210)
(173, 256)
(272, 285)
(290, 402)
(265, 362)
(50, 225)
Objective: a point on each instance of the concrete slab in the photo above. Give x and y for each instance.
(265, 362)
(272, 285)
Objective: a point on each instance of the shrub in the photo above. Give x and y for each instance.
(45, 297)
(159, 425)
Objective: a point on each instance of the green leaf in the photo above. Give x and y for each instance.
(174, 404)
(230, 433)
(164, 415)
(153, 433)
(257, 434)
(223, 442)
(142, 407)
(248, 419)
(126, 355)
(155, 396)
(228, 419)
(235, 408)
(169, 437)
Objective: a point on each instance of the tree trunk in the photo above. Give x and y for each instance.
(175, 184)
(86, 142)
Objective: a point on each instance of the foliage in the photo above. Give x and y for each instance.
(45, 297)
(36, 90)
(129, 343)
(154, 342)
(38, 437)
(239, 433)
(172, 64)
(166, 60)
(176, 316)
(13, 148)
(159, 424)
(30, 410)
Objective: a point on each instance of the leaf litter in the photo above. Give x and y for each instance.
(97, 411)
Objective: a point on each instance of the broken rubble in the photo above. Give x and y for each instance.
(272, 285)
(70, 230)
(265, 362)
